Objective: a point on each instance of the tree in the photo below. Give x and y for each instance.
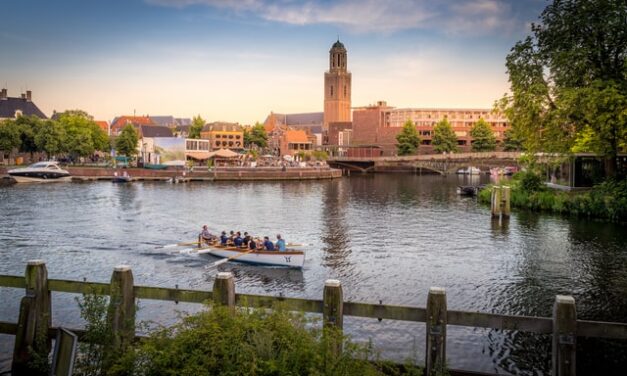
(197, 124)
(83, 135)
(482, 136)
(511, 142)
(408, 140)
(28, 127)
(126, 142)
(571, 75)
(256, 136)
(51, 138)
(444, 139)
(9, 136)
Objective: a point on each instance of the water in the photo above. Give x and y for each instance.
(385, 237)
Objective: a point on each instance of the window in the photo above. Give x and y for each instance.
(331, 90)
(344, 90)
(217, 143)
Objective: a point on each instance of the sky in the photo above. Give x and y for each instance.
(238, 60)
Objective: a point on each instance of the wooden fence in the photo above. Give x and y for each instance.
(35, 314)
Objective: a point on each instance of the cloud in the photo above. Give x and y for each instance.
(372, 16)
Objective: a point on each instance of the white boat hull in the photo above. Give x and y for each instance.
(29, 179)
(292, 259)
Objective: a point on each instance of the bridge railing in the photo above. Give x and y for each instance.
(35, 313)
(428, 157)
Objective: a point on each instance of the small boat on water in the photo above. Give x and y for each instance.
(124, 178)
(469, 190)
(469, 171)
(291, 258)
(40, 172)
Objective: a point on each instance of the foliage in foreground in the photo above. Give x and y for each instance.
(607, 200)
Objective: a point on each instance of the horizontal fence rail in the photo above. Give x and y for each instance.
(35, 312)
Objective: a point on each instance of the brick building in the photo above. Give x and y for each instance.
(223, 135)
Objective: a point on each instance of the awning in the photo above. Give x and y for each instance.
(224, 153)
(198, 155)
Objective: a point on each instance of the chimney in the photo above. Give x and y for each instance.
(23, 96)
(3, 94)
(29, 95)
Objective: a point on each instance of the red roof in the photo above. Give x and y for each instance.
(104, 125)
(120, 122)
(296, 136)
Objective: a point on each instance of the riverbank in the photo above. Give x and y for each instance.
(215, 174)
(606, 201)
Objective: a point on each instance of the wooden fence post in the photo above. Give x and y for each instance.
(435, 359)
(564, 336)
(495, 202)
(333, 314)
(121, 314)
(506, 207)
(34, 320)
(224, 289)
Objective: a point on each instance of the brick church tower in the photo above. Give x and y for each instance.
(337, 88)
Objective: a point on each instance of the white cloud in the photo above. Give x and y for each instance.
(367, 16)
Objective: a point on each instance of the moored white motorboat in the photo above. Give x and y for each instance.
(40, 172)
(291, 258)
(469, 171)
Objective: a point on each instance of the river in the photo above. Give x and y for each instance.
(386, 237)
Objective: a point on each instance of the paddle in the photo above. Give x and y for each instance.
(176, 245)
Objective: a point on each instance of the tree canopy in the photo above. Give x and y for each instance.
(51, 138)
(197, 124)
(570, 77)
(9, 136)
(83, 136)
(126, 142)
(483, 138)
(408, 139)
(444, 139)
(256, 136)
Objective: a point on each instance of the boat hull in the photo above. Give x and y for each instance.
(40, 179)
(292, 259)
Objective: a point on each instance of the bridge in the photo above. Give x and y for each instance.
(429, 164)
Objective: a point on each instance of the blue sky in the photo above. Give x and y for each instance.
(239, 60)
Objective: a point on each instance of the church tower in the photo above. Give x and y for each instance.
(337, 87)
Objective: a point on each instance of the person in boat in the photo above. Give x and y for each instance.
(223, 238)
(205, 235)
(267, 244)
(238, 241)
(247, 239)
(252, 245)
(231, 237)
(280, 243)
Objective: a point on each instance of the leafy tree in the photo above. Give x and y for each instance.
(584, 141)
(256, 136)
(83, 136)
(444, 139)
(51, 138)
(570, 75)
(9, 136)
(197, 124)
(28, 127)
(482, 136)
(511, 142)
(126, 142)
(408, 140)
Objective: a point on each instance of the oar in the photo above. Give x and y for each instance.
(224, 261)
(191, 250)
(176, 245)
(297, 245)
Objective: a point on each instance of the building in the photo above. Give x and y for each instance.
(104, 125)
(120, 122)
(379, 124)
(11, 108)
(223, 135)
(293, 141)
(337, 87)
(310, 122)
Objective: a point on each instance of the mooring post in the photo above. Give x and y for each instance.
(121, 314)
(224, 289)
(435, 359)
(506, 207)
(495, 203)
(564, 336)
(333, 315)
(34, 320)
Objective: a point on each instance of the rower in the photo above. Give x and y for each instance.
(205, 235)
(238, 241)
(267, 244)
(252, 245)
(223, 238)
(247, 238)
(280, 243)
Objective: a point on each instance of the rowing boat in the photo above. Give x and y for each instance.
(291, 258)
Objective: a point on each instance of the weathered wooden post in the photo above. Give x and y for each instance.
(495, 202)
(333, 314)
(564, 336)
(34, 320)
(506, 207)
(121, 314)
(435, 359)
(224, 289)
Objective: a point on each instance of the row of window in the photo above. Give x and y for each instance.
(237, 144)
(230, 136)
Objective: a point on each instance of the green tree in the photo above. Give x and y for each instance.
(511, 142)
(9, 136)
(50, 138)
(197, 124)
(126, 142)
(83, 135)
(570, 75)
(408, 140)
(444, 139)
(482, 136)
(256, 136)
(28, 127)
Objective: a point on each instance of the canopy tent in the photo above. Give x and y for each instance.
(199, 156)
(224, 153)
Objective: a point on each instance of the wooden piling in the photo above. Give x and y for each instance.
(435, 358)
(564, 336)
(495, 202)
(34, 321)
(121, 314)
(333, 315)
(506, 197)
(224, 289)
